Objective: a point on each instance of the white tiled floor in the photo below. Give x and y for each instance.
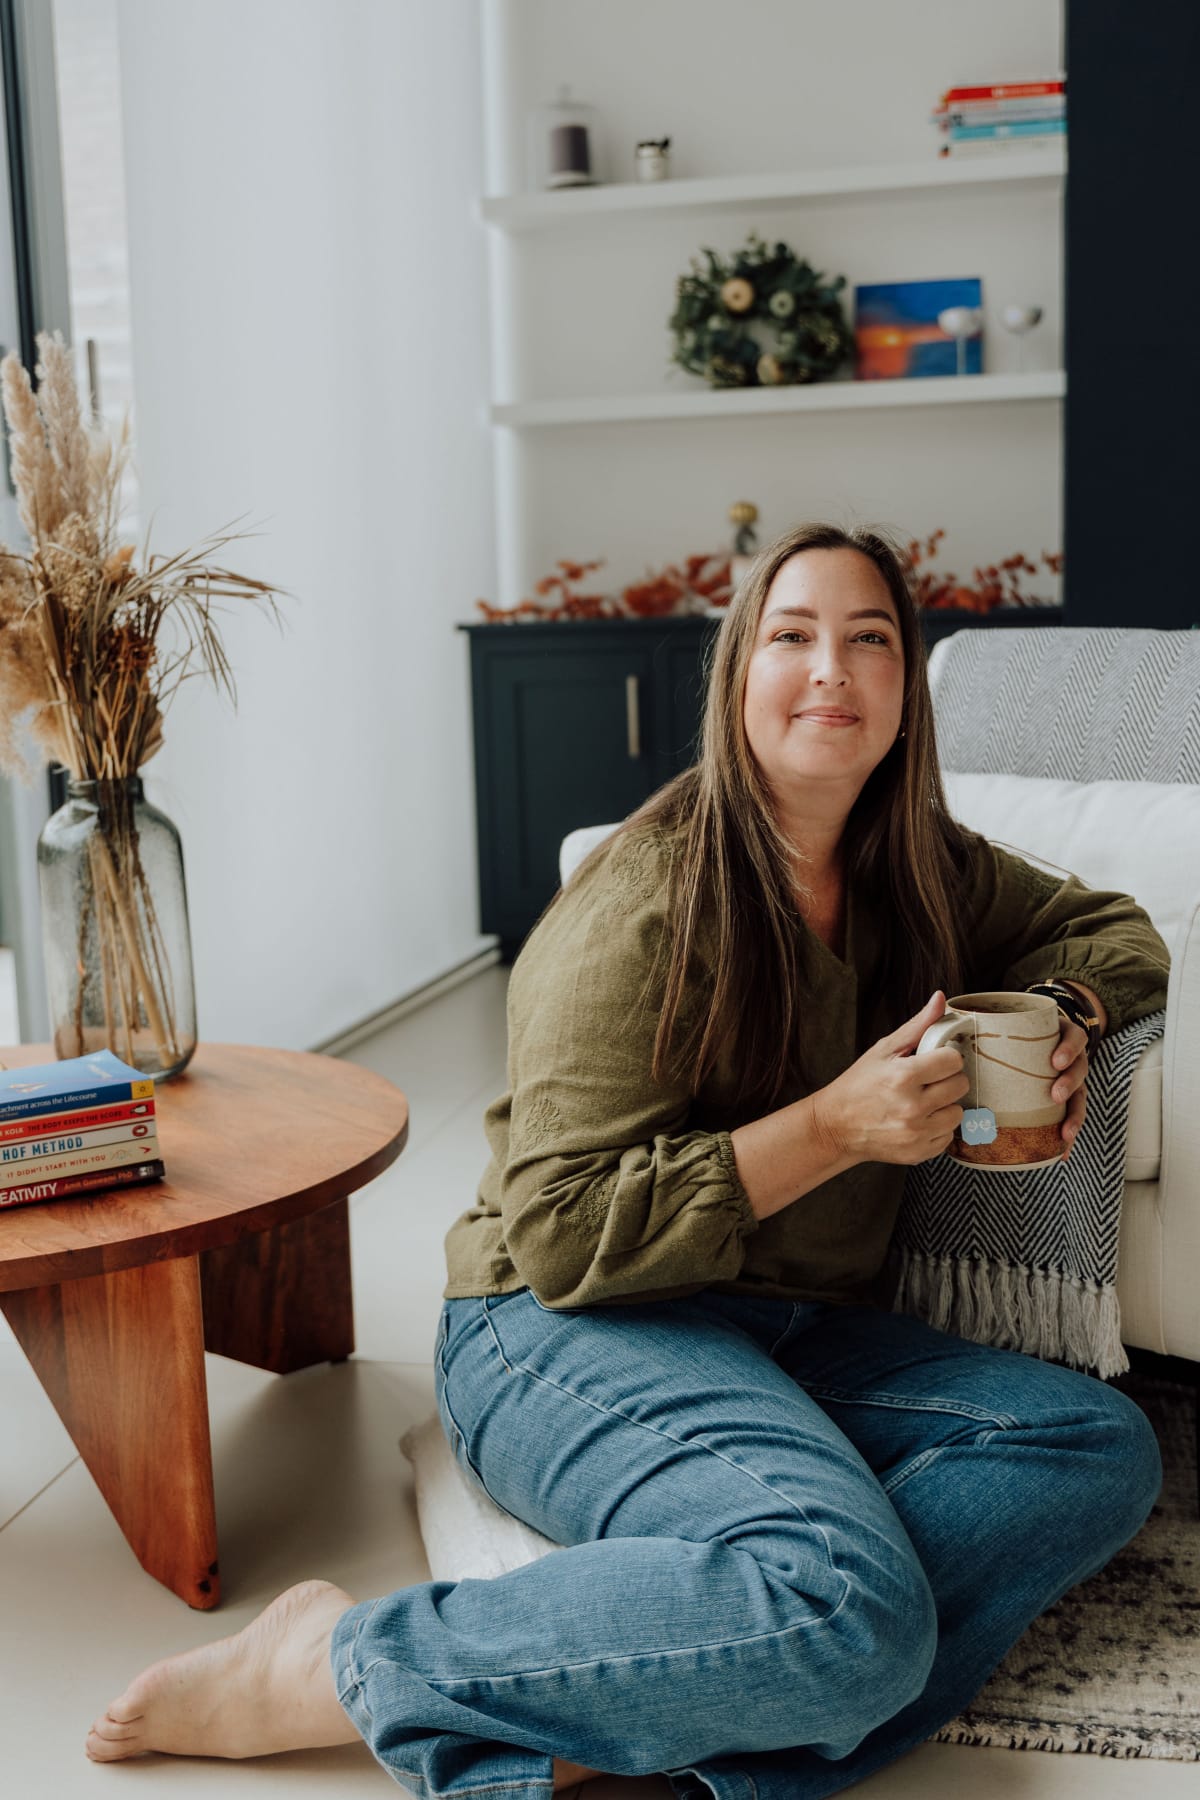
(310, 1481)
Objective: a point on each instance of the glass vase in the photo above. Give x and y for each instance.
(115, 929)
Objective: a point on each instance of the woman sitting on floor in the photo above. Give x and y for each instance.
(800, 1530)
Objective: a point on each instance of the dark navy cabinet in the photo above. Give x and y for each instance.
(576, 723)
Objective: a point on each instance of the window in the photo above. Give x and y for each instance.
(93, 181)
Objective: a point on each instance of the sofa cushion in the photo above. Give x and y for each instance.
(578, 844)
(1129, 837)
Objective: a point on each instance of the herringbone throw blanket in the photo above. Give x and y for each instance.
(1026, 1259)
(1071, 703)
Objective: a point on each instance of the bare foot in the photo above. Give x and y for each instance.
(267, 1689)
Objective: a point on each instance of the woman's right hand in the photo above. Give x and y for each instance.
(894, 1106)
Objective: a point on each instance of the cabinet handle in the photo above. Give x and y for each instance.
(633, 722)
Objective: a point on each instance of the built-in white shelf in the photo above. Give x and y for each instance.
(1008, 168)
(827, 396)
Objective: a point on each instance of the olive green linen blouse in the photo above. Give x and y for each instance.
(605, 1187)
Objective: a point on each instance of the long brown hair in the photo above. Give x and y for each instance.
(733, 870)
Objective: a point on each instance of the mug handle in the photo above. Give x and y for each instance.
(951, 1025)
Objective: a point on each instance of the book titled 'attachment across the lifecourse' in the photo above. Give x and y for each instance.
(44, 1088)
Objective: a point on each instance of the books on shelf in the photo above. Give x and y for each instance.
(75, 1126)
(996, 148)
(1012, 90)
(1017, 128)
(1022, 114)
(992, 112)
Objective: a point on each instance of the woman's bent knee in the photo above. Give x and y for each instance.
(1107, 1475)
(890, 1645)
(1132, 1474)
(833, 1682)
(876, 1654)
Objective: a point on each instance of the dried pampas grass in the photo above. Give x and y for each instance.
(94, 644)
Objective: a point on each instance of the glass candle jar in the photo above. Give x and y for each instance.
(562, 144)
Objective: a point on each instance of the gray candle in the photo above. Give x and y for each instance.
(570, 158)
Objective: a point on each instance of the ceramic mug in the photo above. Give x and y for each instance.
(1007, 1043)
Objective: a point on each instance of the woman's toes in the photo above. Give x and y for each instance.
(120, 1730)
(125, 1711)
(109, 1741)
(117, 1730)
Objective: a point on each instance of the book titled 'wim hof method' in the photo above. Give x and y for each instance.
(74, 1128)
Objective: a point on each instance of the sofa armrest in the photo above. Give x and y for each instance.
(1179, 1180)
(578, 844)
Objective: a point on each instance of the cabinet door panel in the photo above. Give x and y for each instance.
(682, 675)
(560, 737)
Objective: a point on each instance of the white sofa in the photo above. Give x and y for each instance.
(1110, 791)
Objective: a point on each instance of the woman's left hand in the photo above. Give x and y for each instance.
(1070, 1075)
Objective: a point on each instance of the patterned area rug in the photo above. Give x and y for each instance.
(1114, 1667)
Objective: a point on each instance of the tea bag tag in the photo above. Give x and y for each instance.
(979, 1125)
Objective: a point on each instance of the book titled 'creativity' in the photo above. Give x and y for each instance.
(75, 1127)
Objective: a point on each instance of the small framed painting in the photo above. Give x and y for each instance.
(896, 330)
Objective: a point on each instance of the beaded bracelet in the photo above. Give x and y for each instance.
(1074, 1007)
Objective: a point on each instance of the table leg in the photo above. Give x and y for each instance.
(122, 1358)
(281, 1299)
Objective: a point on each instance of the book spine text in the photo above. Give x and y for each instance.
(63, 1186)
(79, 1162)
(128, 1112)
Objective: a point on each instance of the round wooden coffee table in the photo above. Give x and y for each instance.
(243, 1248)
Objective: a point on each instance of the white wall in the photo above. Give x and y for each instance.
(310, 328)
(309, 331)
(769, 85)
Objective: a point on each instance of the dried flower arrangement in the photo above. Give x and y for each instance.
(94, 645)
(997, 585)
(84, 660)
(686, 589)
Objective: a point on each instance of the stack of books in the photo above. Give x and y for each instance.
(975, 121)
(72, 1127)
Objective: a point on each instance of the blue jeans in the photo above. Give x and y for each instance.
(798, 1539)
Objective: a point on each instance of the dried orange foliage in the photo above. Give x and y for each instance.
(688, 588)
(999, 584)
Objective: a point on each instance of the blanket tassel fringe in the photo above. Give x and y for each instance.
(1042, 1312)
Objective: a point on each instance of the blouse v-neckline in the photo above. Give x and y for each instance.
(845, 962)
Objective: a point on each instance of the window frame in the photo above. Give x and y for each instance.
(34, 296)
